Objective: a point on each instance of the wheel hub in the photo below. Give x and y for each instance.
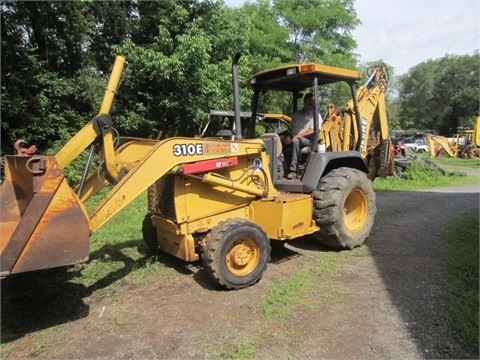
(355, 210)
(240, 255)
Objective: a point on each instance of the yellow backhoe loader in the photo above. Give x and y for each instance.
(440, 146)
(362, 125)
(465, 144)
(219, 199)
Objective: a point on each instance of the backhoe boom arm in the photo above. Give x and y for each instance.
(100, 126)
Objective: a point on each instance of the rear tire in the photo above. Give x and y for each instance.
(344, 208)
(236, 253)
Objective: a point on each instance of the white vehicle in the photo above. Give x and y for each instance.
(420, 147)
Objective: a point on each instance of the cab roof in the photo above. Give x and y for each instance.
(297, 77)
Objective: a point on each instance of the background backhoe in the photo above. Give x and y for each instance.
(219, 199)
(465, 144)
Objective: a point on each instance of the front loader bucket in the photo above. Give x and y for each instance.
(43, 224)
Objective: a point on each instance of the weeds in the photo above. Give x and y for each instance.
(421, 174)
(463, 264)
(464, 163)
(239, 351)
(316, 277)
(285, 295)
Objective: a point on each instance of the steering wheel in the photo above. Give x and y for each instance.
(277, 123)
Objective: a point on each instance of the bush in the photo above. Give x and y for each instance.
(422, 171)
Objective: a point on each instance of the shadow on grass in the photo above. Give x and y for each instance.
(42, 299)
(37, 300)
(409, 248)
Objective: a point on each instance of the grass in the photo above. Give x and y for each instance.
(239, 350)
(463, 280)
(464, 163)
(117, 248)
(232, 349)
(422, 174)
(283, 297)
(315, 277)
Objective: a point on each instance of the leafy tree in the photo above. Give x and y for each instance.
(267, 38)
(112, 23)
(441, 94)
(56, 30)
(56, 57)
(183, 69)
(319, 30)
(291, 31)
(32, 96)
(48, 86)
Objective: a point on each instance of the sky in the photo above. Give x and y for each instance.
(404, 33)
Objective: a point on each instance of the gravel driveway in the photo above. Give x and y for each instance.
(382, 302)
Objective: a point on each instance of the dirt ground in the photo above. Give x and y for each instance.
(382, 302)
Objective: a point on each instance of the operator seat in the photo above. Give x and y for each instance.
(273, 143)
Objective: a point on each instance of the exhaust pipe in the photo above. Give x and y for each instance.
(236, 96)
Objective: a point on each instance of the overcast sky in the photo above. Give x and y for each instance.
(405, 33)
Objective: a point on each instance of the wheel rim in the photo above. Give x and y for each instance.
(355, 210)
(242, 256)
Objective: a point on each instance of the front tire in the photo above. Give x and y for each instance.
(236, 253)
(344, 208)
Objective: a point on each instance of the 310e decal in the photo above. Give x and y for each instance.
(204, 148)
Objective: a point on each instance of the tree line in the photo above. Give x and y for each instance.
(441, 94)
(57, 55)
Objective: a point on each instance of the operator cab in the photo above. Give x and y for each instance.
(287, 85)
(221, 124)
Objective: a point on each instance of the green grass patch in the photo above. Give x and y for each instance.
(230, 348)
(315, 277)
(117, 249)
(421, 174)
(239, 350)
(284, 296)
(124, 226)
(463, 280)
(464, 163)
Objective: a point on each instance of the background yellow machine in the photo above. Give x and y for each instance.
(223, 201)
(465, 144)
